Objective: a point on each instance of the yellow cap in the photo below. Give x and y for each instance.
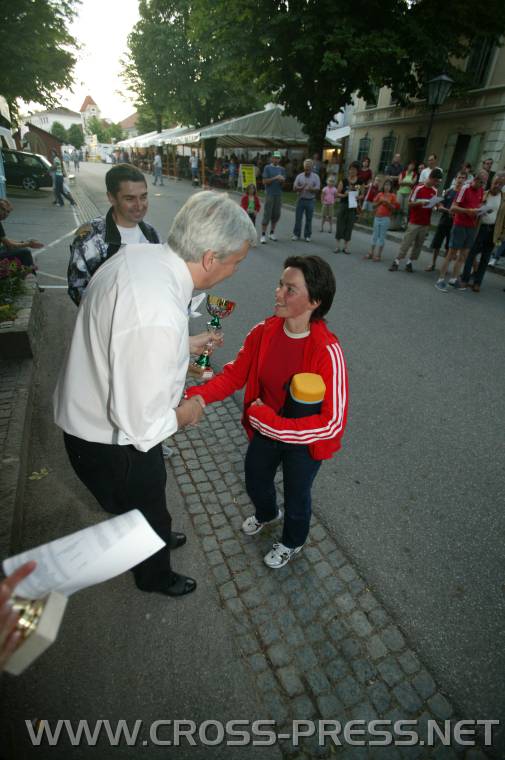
(307, 388)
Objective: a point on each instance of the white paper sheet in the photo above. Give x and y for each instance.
(485, 210)
(89, 556)
(352, 197)
(433, 201)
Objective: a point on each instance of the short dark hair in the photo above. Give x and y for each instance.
(122, 173)
(319, 279)
(436, 174)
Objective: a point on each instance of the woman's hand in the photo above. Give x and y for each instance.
(258, 402)
(9, 637)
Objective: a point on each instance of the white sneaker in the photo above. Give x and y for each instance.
(492, 262)
(279, 555)
(307, 240)
(295, 237)
(251, 525)
(263, 239)
(272, 236)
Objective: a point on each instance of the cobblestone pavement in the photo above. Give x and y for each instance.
(319, 642)
(10, 371)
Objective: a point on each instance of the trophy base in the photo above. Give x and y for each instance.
(203, 373)
(41, 638)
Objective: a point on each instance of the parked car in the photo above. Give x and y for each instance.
(28, 170)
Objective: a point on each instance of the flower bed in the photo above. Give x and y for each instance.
(19, 317)
(12, 285)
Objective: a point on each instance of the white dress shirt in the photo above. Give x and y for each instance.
(124, 372)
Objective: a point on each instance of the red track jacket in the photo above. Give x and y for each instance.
(321, 432)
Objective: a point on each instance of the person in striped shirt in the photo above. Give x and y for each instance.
(295, 339)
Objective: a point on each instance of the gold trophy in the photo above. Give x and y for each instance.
(218, 308)
(38, 624)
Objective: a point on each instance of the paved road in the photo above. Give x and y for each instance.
(415, 497)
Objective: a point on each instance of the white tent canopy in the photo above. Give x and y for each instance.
(261, 129)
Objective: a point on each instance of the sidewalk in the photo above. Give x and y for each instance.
(308, 642)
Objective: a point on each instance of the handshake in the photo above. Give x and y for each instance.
(190, 411)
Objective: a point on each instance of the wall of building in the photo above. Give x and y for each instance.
(469, 127)
(46, 120)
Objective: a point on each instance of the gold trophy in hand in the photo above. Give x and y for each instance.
(218, 308)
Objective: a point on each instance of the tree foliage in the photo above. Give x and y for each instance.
(175, 74)
(312, 55)
(59, 131)
(75, 136)
(105, 132)
(37, 49)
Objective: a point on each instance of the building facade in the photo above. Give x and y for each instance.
(45, 119)
(466, 128)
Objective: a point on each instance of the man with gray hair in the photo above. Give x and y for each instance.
(119, 391)
(307, 185)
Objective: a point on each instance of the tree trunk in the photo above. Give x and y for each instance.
(159, 126)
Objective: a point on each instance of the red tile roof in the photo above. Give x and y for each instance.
(130, 121)
(88, 101)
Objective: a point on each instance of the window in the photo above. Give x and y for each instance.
(10, 158)
(31, 161)
(364, 148)
(387, 152)
(479, 60)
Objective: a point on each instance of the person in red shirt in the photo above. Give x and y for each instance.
(466, 220)
(295, 340)
(419, 221)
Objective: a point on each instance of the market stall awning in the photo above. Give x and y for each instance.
(261, 129)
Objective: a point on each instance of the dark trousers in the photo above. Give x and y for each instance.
(345, 221)
(263, 457)
(58, 189)
(484, 245)
(442, 234)
(122, 478)
(304, 206)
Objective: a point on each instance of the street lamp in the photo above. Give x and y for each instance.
(438, 92)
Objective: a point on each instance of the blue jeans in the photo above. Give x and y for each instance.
(263, 457)
(58, 189)
(304, 205)
(380, 227)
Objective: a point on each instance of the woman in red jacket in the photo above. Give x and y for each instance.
(295, 340)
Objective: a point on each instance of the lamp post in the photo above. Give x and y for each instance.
(438, 92)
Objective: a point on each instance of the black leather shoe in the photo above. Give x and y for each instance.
(177, 539)
(179, 586)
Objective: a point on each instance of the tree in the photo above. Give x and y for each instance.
(114, 132)
(75, 136)
(37, 49)
(95, 126)
(173, 76)
(59, 131)
(313, 55)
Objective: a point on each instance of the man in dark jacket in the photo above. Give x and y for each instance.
(102, 237)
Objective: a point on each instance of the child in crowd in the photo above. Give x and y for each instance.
(250, 202)
(328, 197)
(384, 204)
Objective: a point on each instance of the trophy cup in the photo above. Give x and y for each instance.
(39, 622)
(218, 308)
